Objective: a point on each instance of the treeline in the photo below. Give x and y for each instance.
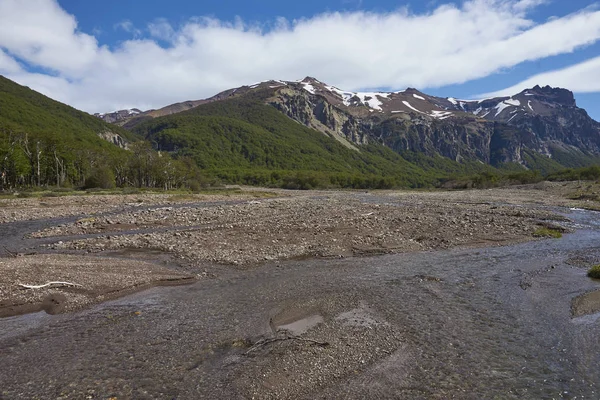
(488, 179)
(579, 174)
(304, 180)
(36, 161)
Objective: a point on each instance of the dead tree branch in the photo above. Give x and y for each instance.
(49, 284)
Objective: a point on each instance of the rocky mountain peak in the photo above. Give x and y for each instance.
(116, 116)
(310, 79)
(552, 95)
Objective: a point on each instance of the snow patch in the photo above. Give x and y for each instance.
(416, 96)
(374, 101)
(513, 102)
(501, 107)
(453, 100)
(407, 104)
(441, 114)
(370, 99)
(308, 87)
(530, 107)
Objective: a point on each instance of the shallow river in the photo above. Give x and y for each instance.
(466, 323)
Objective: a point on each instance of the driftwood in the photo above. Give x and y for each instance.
(10, 253)
(55, 284)
(267, 341)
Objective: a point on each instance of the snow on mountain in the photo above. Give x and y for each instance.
(535, 101)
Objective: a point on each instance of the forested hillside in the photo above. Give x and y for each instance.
(245, 141)
(44, 142)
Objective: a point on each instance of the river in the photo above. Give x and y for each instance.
(485, 323)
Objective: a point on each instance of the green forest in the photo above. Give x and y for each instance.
(47, 143)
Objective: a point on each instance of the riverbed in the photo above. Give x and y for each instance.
(464, 323)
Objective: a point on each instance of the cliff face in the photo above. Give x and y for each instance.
(317, 113)
(493, 131)
(114, 138)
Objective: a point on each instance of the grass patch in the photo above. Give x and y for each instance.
(594, 272)
(545, 232)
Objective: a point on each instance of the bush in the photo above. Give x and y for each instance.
(101, 177)
(131, 190)
(548, 233)
(594, 272)
(62, 189)
(195, 186)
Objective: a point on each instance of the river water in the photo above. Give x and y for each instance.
(487, 323)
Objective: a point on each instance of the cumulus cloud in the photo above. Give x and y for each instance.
(578, 78)
(354, 50)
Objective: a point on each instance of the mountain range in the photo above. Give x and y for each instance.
(298, 134)
(539, 128)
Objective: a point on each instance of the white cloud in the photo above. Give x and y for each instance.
(353, 50)
(161, 29)
(581, 78)
(128, 27)
(8, 65)
(41, 33)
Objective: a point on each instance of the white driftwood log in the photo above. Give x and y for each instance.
(49, 284)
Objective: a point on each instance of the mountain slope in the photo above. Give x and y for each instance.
(47, 143)
(539, 126)
(244, 136)
(24, 110)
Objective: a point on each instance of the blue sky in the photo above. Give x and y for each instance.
(100, 56)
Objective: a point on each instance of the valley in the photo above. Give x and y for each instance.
(184, 216)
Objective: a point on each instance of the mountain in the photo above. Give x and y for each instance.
(116, 116)
(131, 117)
(539, 128)
(43, 141)
(23, 110)
(244, 139)
(46, 143)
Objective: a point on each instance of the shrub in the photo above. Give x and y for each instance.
(131, 190)
(62, 189)
(101, 177)
(594, 272)
(548, 233)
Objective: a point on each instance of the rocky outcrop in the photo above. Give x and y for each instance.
(118, 116)
(114, 138)
(316, 112)
(493, 131)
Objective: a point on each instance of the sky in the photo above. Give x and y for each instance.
(101, 56)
